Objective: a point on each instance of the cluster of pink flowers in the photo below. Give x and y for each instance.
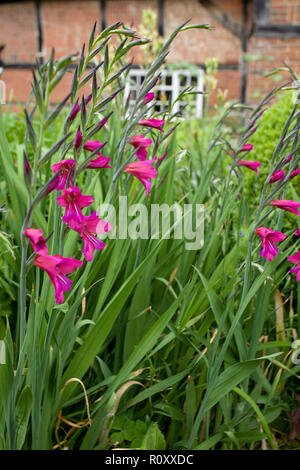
(268, 236)
(252, 165)
(278, 175)
(143, 169)
(88, 226)
(55, 266)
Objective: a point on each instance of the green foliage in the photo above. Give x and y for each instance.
(136, 434)
(127, 433)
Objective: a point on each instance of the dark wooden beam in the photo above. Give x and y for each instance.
(30, 66)
(263, 27)
(244, 63)
(161, 16)
(226, 67)
(40, 37)
(261, 12)
(277, 30)
(103, 22)
(223, 18)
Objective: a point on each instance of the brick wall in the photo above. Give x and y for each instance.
(65, 25)
(284, 12)
(273, 52)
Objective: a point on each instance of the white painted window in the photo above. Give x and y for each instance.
(170, 85)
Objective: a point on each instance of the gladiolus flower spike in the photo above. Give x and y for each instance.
(144, 171)
(101, 161)
(90, 225)
(246, 148)
(140, 143)
(37, 240)
(287, 205)
(65, 166)
(73, 201)
(252, 165)
(55, 266)
(269, 238)
(149, 97)
(154, 123)
(277, 176)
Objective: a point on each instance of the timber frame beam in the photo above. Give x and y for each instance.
(225, 20)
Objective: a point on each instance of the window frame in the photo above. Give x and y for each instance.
(174, 88)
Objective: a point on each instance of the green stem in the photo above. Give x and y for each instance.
(22, 291)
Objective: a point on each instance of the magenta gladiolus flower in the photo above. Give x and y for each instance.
(252, 165)
(149, 97)
(144, 171)
(37, 240)
(90, 225)
(246, 148)
(92, 145)
(57, 267)
(78, 139)
(140, 143)
(287, 205)
(296, 269)
(73, 201)
(277, 176)
(294, 173)
(65, 166)
(99, 162)
(154, 123)
(269, 238)
(297, 233)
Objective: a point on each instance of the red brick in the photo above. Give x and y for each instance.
(67, 25)
(280, 50)
(197, 45)
(228, 80)
(64, 88)
(130, 13)
(18, 84)
(18, 32)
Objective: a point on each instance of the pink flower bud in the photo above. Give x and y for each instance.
(78, 139)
